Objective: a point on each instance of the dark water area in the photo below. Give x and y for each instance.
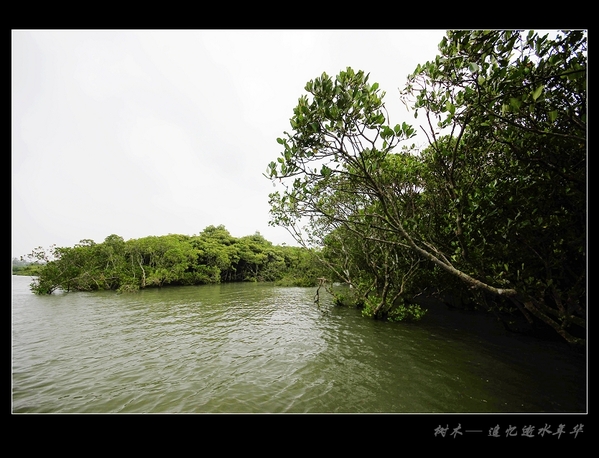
(258, 348)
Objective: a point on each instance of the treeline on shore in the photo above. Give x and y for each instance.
(213, 256)
(25, 268)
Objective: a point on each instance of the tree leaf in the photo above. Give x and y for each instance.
(450, 107)
(325, 171)
(515, 103)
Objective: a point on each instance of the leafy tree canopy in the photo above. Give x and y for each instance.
(492, 211)
(213, 256)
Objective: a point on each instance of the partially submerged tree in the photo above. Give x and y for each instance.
(514, 179)
(497, 200)
(346, 173)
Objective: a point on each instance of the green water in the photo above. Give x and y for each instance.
(264, 349)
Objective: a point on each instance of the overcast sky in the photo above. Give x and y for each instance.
(140, 133)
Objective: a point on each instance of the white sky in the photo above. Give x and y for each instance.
(142, 132)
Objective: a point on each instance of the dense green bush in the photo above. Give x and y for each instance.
(493, 207)
(213, 256)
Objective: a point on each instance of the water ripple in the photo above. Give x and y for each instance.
(252, 348)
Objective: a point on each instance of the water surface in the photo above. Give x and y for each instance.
(259, 348)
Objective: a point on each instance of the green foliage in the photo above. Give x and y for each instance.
(213, 256)
(513, 175)
(26, 268)
(492, 211)
(369, 307)
(399, 311)
(410, 312)
(341, 300)
(302, 267)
